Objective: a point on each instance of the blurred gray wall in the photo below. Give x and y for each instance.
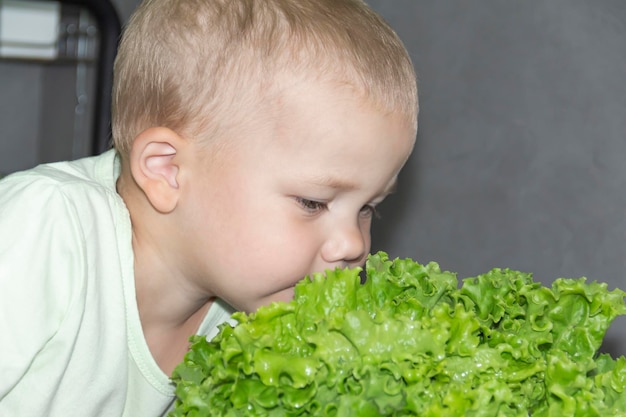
(125, 8)
(520, 154)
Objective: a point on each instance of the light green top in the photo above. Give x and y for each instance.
(71, 341)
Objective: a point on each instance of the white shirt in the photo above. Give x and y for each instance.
(71, 342)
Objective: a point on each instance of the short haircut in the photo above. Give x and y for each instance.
(190, 64)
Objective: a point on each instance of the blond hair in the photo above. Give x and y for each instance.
(190, 64)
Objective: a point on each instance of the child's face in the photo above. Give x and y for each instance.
(293, 197)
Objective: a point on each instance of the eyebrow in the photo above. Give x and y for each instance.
(336, 183)
(328, 181)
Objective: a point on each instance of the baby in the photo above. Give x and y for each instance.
(253, 140)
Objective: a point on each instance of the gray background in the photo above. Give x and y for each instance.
(520, 155)
(519, 158)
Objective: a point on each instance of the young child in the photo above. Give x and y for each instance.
(253, 141)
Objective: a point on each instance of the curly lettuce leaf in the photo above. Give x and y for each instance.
(412, 340)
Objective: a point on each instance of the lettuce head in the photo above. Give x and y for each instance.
(413, 340)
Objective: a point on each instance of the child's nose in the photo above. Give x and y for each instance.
(346, 245)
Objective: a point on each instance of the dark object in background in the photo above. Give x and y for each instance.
(110, 30)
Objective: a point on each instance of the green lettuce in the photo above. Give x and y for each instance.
(412, 340)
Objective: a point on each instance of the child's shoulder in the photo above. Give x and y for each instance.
(98, 171)
(81, 177)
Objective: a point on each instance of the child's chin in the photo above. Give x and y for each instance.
(283, 296)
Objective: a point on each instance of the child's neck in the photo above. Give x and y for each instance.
(168, 346)
(169, 311)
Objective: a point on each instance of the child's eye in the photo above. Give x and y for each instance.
(311, 206)
(369, 211)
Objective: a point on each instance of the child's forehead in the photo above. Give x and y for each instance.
(296, 90)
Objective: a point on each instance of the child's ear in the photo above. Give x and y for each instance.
(154, 166)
